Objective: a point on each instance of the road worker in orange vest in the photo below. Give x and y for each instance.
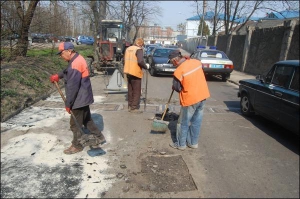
(133, 64)
(190, 82)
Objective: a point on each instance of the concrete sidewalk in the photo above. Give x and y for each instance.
(236, 76)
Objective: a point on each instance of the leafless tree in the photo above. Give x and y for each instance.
(17, 20)
(233, 10)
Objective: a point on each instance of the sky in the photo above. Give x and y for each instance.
(175, 12)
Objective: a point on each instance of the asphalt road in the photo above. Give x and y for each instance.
(237, 157)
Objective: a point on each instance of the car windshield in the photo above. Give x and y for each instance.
(162, 52)
(150, 48)
(212, 54)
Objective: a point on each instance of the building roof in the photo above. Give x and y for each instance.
(285, 14)
(210, 16)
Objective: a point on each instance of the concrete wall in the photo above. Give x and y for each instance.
(264, 49)
(294, 48)
(257, 51)
(237, 46)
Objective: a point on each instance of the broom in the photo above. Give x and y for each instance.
(161, 125)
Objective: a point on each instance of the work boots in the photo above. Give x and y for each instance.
(72, 149)
(91, 140)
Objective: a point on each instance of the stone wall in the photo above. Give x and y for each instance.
(294, 48)
(237, 46)
(264, 49)
(222, 42)
(257, 51)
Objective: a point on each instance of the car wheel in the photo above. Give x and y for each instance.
(246, 107)
(225, 77)
(152, 71)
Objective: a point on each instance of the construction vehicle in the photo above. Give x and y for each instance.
(112, 45)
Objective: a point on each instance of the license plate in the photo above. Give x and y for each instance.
(169, 69)
(216, 66)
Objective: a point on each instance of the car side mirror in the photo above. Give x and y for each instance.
(261, 78)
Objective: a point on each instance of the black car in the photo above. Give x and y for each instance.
(147, 51)
(159, 61)
(274, 96)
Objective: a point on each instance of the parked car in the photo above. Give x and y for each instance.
(147, 52)
(13, 36)
(214, 62)
(83, 39)
(159, 61)
(274, 96)
(69, 39)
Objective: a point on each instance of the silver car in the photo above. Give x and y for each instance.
(214, 62)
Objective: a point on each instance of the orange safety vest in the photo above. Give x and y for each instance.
(194, 86)
(131, 66)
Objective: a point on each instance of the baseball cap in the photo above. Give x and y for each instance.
(64, 46)
(174, 54)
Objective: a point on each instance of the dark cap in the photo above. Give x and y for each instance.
(174, 54)
(64, 46)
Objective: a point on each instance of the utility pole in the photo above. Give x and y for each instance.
(202, 20)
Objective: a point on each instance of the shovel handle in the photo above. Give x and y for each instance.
(167, 105)
(61, 94)
(73, 116)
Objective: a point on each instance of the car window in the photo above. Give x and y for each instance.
(295, 81)
(212, 54)
(282, 75)
(270, 74)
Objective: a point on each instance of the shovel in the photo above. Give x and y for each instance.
(85, 140)
(161, 125)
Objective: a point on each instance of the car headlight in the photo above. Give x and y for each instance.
(159, 65)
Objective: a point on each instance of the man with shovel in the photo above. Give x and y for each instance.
(79, 96)
(190, 82)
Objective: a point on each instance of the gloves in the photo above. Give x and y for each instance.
(68, 110)
(148, 66)
(54, 78)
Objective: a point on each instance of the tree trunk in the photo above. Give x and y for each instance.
(25, 18)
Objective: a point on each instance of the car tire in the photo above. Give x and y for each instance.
(225, 77)
(245, 105)
(152, 71)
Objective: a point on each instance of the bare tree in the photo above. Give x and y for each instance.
(25, 17)
(234, 10)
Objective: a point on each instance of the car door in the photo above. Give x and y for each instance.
(267, 100)
(289, 110)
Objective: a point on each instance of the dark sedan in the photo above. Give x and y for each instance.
(274, 96)
(158, 60)
(147, 51)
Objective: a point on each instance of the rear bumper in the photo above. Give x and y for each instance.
(216, 71)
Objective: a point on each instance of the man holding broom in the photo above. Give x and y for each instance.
(190, 82)
(79, 95)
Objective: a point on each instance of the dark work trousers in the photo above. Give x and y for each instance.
(134, 92)
(83, 116)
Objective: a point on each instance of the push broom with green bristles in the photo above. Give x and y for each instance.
(161, 125)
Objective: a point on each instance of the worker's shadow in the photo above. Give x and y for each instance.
(172, 118)
(98, 120)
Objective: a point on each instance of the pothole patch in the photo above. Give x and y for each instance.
(166, 174)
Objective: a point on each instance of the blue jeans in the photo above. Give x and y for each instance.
(189, 123)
